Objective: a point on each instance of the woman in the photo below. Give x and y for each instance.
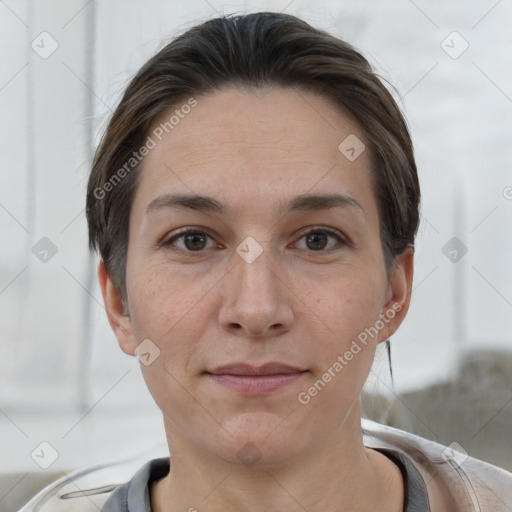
(255, 200)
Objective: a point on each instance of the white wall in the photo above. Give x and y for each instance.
(58, 352)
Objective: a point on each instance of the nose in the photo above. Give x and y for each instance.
(257, 299)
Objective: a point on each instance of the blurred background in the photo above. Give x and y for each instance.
(63, 379)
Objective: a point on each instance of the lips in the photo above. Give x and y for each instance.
(255, 380)
(271, 368)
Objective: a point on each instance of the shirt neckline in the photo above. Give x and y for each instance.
(415, 489)
(137, 490)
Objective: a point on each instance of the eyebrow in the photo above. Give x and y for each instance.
(305, 202)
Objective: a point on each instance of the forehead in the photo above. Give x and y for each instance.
(276, 117)
(263, 143)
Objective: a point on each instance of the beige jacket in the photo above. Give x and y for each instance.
(455, 481)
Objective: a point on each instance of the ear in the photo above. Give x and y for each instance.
(118, 318)
(399, 294)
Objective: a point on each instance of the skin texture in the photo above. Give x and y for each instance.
(253, 150)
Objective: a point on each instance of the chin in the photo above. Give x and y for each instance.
(261, 439)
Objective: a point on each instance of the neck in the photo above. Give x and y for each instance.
(341, 475)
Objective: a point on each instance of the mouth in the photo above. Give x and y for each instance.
(255, 380)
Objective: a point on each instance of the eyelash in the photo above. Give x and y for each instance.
(316, 229)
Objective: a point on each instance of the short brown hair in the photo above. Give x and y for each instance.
(254, 50)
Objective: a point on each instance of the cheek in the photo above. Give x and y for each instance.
(345, 349)
(167, 306)
(167, 309)
(348, 309)
(350, 303)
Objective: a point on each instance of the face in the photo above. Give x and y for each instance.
(266, 301)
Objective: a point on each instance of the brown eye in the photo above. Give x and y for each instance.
(192, 240)
(318, 239)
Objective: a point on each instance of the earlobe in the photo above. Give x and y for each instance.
(400, 288)
(117, 313)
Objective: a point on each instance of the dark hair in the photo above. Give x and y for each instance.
(253, 50)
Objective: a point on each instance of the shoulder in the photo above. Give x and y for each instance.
(88, 489)
(455, 480)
